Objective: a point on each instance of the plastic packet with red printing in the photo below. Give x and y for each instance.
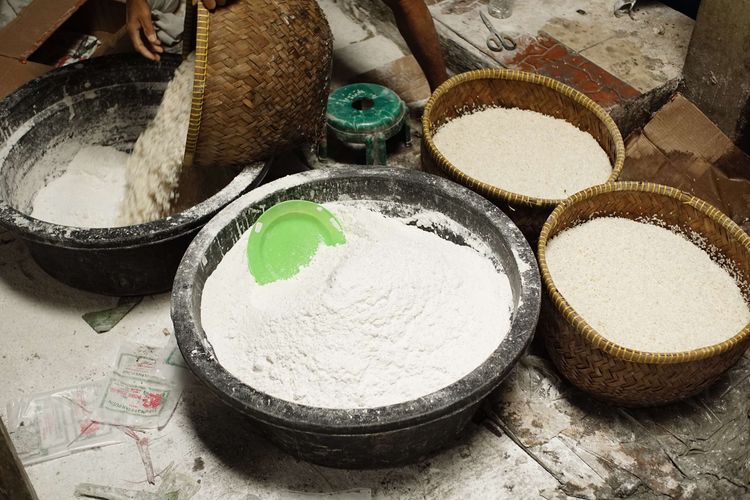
(143, 390)
(57, 423)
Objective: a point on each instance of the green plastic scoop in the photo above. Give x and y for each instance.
(286, 237)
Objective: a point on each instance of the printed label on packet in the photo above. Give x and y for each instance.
(129, 401)
(138, 361)
(145, 362)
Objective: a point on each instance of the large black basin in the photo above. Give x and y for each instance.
(105, 101)
(375, 437)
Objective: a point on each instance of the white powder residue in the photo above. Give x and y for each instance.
(155, 165)
(644, 287)
(394, 314)
(430, 219)
(88, 193)
(524, 152)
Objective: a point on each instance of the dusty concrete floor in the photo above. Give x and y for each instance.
(538, 437)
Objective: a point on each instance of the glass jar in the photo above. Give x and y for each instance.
(501, 9)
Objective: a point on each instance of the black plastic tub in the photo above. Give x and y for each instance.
(375, 437)
(106, 101)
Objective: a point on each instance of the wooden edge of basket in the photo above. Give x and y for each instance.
(199, 83)
(582, 327)
(524, 76)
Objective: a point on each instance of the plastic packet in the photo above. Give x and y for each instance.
(137, 402)
(57, 423)
(358, 494)
(172, 355)
(138, 361)
(143, 390)
(148, 362)
(173, 364)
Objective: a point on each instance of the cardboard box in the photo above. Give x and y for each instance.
(682, 148)
(44, 33)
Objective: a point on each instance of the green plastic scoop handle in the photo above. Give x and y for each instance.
(286, 237)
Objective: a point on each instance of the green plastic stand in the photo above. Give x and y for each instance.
(369, 114)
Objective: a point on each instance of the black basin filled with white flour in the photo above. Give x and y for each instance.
(105, 102)
(349, 436)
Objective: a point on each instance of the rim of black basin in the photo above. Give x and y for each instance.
(129, 236)
(167, 228)
(470, 389)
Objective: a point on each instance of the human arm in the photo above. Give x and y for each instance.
(416, 26)
(140, 26)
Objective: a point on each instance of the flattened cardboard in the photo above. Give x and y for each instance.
(22, 60)
(14, 73)
(34, 24)
(682, 148)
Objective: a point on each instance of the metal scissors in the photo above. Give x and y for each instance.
(497, 41)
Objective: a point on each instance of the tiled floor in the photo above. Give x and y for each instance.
(645, 51)
(549, 57)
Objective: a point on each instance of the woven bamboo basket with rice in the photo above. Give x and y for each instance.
(515, 89)
(262, 72)
(626, 376)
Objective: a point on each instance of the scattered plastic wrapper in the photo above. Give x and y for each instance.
(175, 485)
(141, 393)
(104, 321)
(81, 47)
(173, 365)
(145, 362)
(143, 390)
(57, 423)
(623, 7)
(136, 403)
(358, 494)
(173, 355)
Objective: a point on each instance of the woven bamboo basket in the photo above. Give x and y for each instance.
(515, 89)
(262, 72)
(614, 373)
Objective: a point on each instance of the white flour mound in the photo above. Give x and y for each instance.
(88, 193)
(524, 152)
(155, 165)
(394, 314)
(644, 287)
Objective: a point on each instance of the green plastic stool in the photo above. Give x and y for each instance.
(369, 114)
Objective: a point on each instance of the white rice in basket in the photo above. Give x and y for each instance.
(524, 152)
(645, 287)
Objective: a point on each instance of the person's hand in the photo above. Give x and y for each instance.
(211, 4)
(141, 29)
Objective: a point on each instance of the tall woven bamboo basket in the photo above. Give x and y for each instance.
(614, 373)
(515, 89)
(262, 74)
